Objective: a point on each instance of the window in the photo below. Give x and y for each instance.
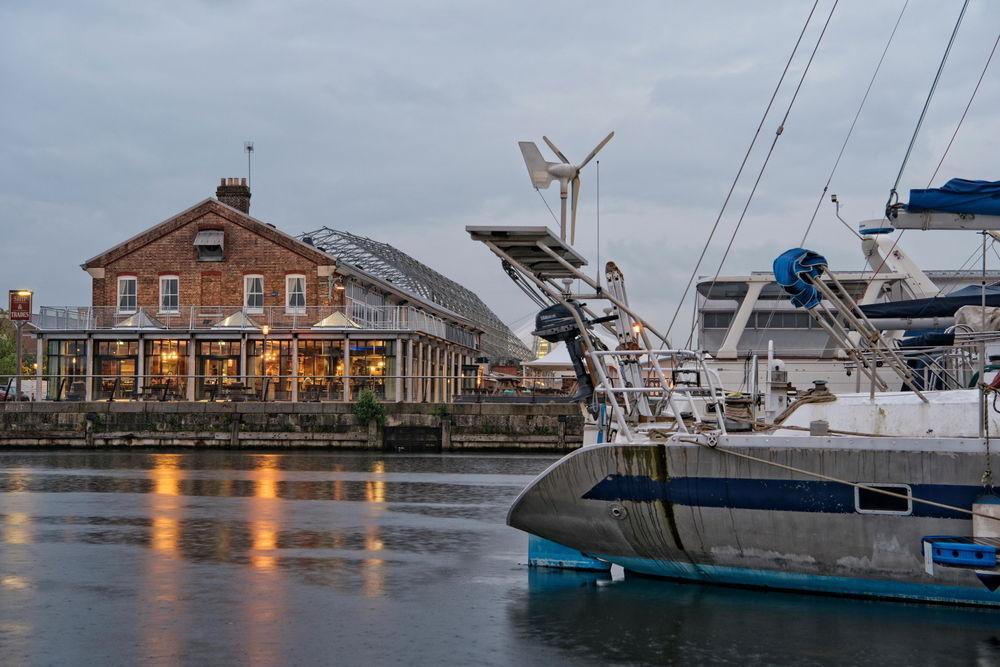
(127, 287)
(870, 501)
(295, 294)
(169, 294)
(717, 320)
(253, 294)
(210, 243)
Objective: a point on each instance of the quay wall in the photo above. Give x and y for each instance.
(408, 426)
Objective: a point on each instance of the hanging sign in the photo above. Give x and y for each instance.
(19, 305)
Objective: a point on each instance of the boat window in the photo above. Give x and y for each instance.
(717, 319)
(779, 319)
(870, 501)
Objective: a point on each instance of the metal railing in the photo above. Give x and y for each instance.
(265, 388)
(354, 316)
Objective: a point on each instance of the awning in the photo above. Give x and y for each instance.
(237, 320)
(210, 237)
(139, 321)
(336, 320)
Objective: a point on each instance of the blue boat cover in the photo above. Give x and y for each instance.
(958, 196)
(793, 268)
(938, 306)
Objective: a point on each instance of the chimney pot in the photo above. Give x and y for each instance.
(234, 192)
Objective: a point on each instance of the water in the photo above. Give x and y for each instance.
(231, 558)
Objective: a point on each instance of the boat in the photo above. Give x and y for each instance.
(885, 493)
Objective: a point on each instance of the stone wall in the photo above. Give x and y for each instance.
(441, 427)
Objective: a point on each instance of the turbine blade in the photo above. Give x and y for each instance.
(538, 168)
(576, 198)
(596, 150)
(556, 150)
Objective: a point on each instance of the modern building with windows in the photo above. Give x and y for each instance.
(215, 304)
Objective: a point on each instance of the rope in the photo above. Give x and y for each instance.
(739, 172)
(828, 478)
(767, 158)
(893, 195)
(962, 119)
(850, 131)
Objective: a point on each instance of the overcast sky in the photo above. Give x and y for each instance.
(399, 121)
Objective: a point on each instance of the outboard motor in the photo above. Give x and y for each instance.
(556, 324)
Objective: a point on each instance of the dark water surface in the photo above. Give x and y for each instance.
(304, 558)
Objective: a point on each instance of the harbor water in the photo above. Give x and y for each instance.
(214, 557)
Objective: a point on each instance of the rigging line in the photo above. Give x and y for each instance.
(770, 152)
(962, 119)
(850, 131)
(893, 195)
(554, 218)
(739, 172)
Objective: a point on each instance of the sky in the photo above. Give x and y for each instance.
(400, 121)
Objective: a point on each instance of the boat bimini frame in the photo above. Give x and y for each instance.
(631, 377)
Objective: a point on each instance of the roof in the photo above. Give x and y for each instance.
(401, 272)
(209, 205)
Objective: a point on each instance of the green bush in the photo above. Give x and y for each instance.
(367, 408)
(440, 411)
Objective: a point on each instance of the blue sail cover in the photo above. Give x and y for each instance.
(793, 268)
(958, 196)
(938, 306)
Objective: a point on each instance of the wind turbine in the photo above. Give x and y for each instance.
(542, 174)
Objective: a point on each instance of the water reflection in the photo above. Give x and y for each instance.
(17, 528)
(641, 620)
(160, 633)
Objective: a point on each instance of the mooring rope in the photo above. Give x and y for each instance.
(856, 485)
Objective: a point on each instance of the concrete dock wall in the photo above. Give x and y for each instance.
(408, 427)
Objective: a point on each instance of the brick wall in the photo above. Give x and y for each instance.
(205, 283)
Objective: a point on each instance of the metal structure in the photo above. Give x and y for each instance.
(387, 263)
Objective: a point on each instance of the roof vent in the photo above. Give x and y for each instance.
(234, 192)
(308, 240)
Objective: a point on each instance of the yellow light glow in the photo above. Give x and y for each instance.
(17, 529)
(264, 330)
(637, 327)
(166, 533)
(165, 474)
(24, 292)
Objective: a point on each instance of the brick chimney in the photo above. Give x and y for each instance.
(234, 192)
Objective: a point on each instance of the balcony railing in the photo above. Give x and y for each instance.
(352, 317)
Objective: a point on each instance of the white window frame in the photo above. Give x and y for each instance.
(888, 486)
(176, 309)
(289, 308)
(256, 310)
(135, 295)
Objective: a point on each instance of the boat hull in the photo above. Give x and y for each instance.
(690, 512)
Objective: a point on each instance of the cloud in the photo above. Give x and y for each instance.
(400, 123)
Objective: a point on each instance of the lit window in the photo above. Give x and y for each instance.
(169, 294)
(295, 294)
(253, 293)
(127, 287)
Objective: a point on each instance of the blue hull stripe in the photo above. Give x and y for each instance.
(814, 583)
(787, 495)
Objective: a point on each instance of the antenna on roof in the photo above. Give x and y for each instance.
(248, 148)
(542, 174)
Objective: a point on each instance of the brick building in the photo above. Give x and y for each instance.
(213, 303)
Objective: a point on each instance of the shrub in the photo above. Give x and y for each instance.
(367, 408)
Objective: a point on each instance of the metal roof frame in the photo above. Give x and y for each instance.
(393, 266)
